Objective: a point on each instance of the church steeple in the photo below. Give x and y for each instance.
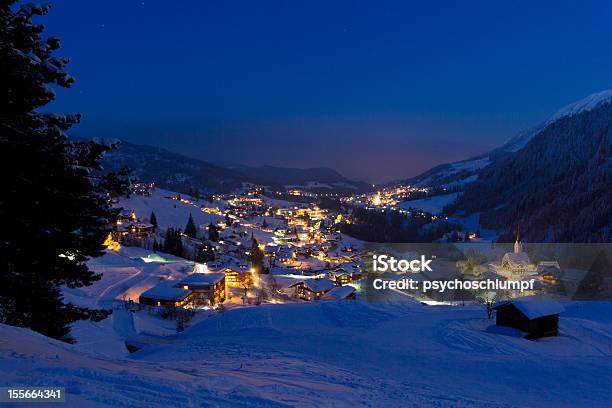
(518, 246)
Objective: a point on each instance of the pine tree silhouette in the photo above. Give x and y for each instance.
(190, 228)
(58, 213)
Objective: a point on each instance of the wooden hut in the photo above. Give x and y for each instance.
(535, 316)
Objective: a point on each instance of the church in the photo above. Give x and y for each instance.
(515, 264)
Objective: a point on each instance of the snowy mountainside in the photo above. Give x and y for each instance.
(557, 188)
(589, 103)
(458, 174)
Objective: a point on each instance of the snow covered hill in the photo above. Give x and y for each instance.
(433, 205)
(458, 174)
(330, 353)
(169, 211)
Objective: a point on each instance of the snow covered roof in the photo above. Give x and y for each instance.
(517, 258)
(284, 255)
(555, 272)
(144, 225)
(166, 291)
(221, 268)
(316, 285)
(533, 306)
(340, 292)
(202, 279)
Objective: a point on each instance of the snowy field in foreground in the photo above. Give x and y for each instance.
(334, 354)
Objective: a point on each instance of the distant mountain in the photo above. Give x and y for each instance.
(182, 173)
(558, 186)
(458, 174)
(171, 170)
(317, 178)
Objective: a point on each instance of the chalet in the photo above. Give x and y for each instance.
(311, 289)
(207, 288)
(126, 216)
(341, 276)
(143, 189)
(270, 250)
(166, 294)
(142, 230)
(551, 276)
(327, 246)
(303, 251)
(235, 277)
(286, 257)
(340, 293)
(535, 316)
(543, 265)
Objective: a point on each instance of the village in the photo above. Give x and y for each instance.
(194, 257)
(230, 251)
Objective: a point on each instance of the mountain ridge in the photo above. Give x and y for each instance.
(180, 172)
(557, 188)
(454, 174)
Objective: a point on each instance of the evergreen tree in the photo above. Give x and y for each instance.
(264, 224)
(117, 184)
(213, 232)
(173, 243)
(256, 256)
(153, 220)
(57, 210)
(204, 253)
(190, 228)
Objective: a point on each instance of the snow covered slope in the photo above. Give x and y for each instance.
(168, 211)
(329, 353)
(433, 205)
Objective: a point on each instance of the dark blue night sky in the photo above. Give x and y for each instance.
(376, 90)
